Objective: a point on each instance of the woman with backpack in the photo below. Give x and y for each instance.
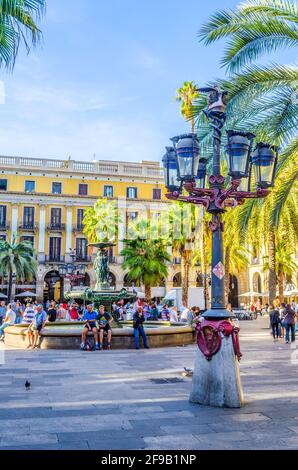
(274, 322)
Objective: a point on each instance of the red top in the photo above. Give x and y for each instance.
(73, 312)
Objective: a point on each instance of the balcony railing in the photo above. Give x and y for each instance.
(78, 228)
(151, 169)
(176, 260)
(31, 227)
(112, 259)
(56, 227)
(51, 258)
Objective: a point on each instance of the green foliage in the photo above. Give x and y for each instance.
(145, 258)
(18, 25)
(19, 258)
(101, 222)
(187, 94)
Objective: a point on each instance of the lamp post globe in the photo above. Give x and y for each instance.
(188, 155)
(171, 176)
(202, 173)
(264, 161)
(239, 148)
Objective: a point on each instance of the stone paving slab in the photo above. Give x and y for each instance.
(124, 400)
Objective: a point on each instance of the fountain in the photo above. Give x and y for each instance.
(103, 294)
(67, 335)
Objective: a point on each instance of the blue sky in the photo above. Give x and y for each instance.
(103, 81)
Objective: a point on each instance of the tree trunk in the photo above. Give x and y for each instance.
(281, 286)
(227, 275)
(9, 286)
(185, 277)
(272, 267)
(148, 293)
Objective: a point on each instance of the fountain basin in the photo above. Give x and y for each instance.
(62, 335)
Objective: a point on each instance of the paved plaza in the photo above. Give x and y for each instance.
(139, 399)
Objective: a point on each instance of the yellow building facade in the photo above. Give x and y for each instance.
(43, 201)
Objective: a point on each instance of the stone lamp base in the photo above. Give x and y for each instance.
(217, 382)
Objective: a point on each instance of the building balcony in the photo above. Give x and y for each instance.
(78, 228)
(57, 227)
(32, 227)
(113, 259)
(54, 259)
(4, 226)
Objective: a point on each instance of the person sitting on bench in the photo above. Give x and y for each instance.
(90, 317)
(104, 321)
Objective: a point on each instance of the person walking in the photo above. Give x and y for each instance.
(138, 329)
(289, 322)
(282, 313)
(274, 322)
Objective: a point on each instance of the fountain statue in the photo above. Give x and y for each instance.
(103, 293)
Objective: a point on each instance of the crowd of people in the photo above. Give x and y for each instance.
(96, 322)
(283, 318)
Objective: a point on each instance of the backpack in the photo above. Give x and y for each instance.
(89, 346)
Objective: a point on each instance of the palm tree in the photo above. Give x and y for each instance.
(101, 221)
(254, 28)
(145, 258)
(262, 99)
(183, 222)
(17, 258)
(18, 26)
(285, 265)
(187, 94)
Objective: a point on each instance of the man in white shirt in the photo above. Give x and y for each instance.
(184, 314)
(9, 320)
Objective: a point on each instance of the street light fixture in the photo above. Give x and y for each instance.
(218, 385)
(239, 149)
(188, 155)
(202, 173)
(264, 161)
(172, 180)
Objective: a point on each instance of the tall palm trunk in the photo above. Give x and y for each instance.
(281, 286)
(9, 286)
(272, 266)
(185, 277)
(227, 274)
(148, 293)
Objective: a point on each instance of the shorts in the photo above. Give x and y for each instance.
(106, 328)
(92, 325)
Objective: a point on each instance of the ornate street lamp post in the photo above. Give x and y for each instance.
(216, 379)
